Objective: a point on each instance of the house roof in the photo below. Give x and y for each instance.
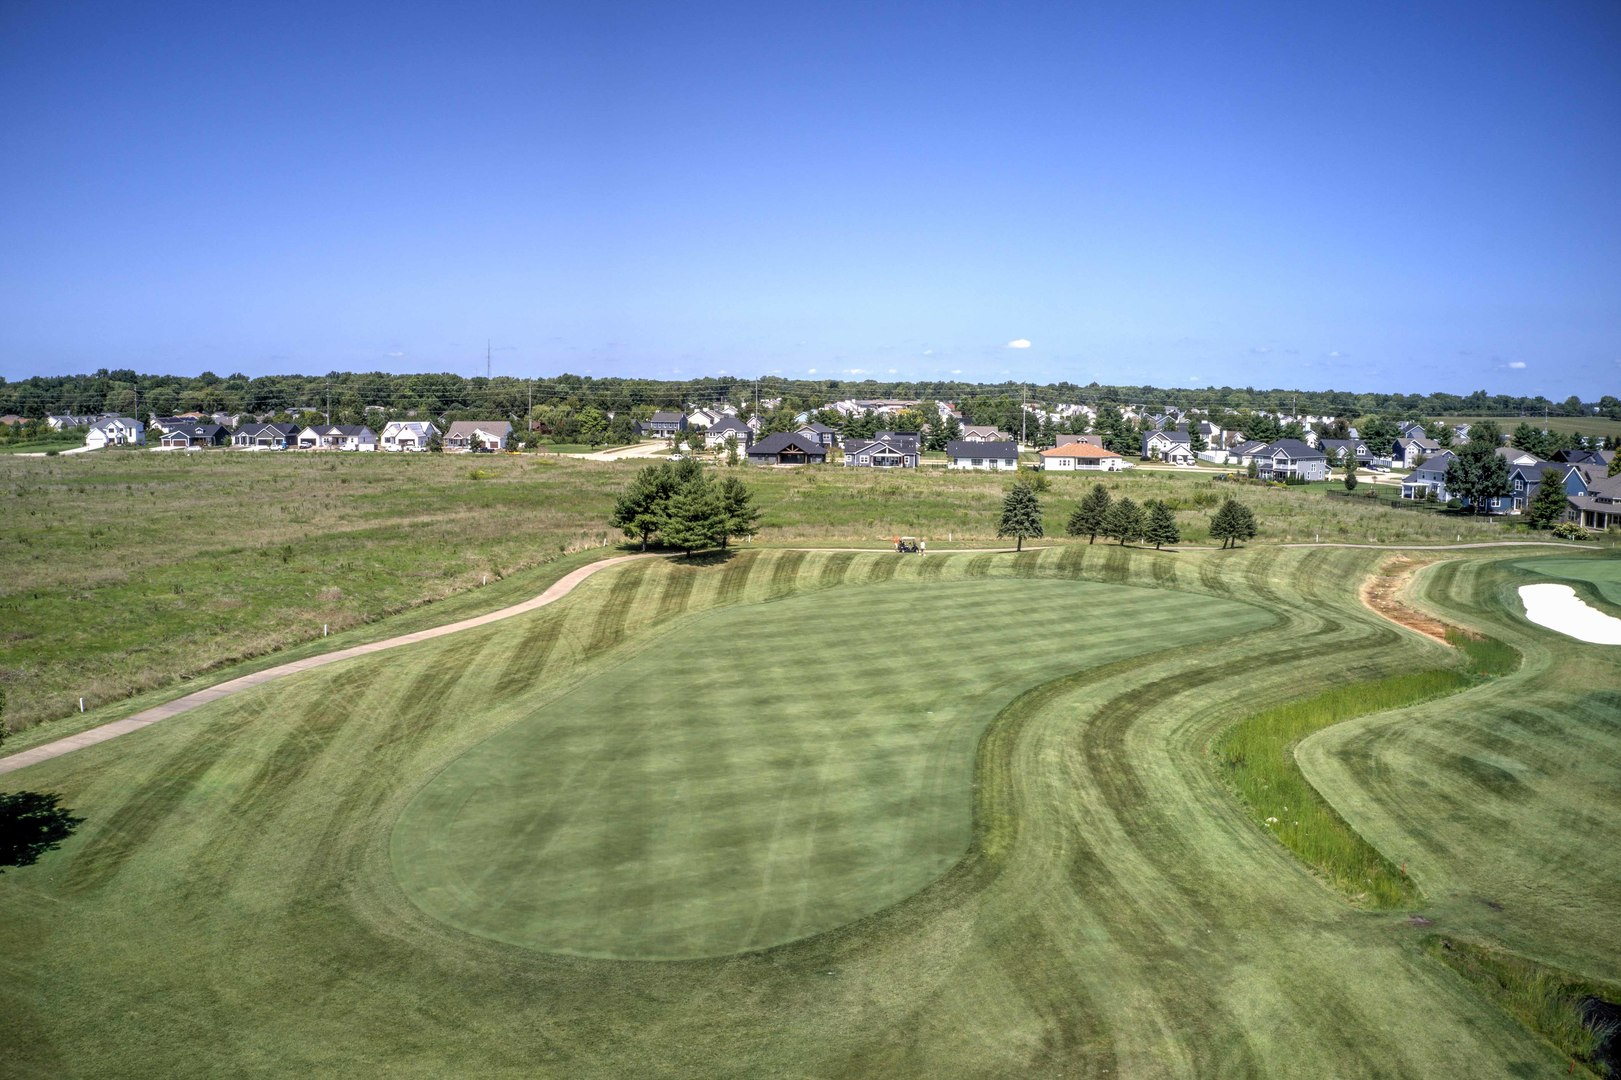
(664, 417)
(772, 445)
(1248, 446)
(1079, 450)
(1416, 443)
(1435, 463)
(820, 429)
(464, 428)
(961, 449)
(867, 446)
(1295, 450)
(729, 423)
(981, 429)
(1336, 445)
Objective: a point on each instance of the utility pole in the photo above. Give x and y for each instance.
(487, 343)
(1024, 414)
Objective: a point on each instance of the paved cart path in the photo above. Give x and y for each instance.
(45, 751)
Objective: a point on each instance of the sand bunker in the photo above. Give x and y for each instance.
(1559, 608)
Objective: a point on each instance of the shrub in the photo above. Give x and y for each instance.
(1569, 530)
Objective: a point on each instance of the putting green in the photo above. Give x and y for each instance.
(762, 772)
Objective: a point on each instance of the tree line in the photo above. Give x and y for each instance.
(1124, 520)
(677, 504)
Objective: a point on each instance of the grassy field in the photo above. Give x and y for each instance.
(127, 572)
(1601, 426)
(249, 892)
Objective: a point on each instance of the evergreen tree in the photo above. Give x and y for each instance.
(1232, 523)
(693, 517)
(1549, 506)
(737, 509)
(1021, 514)
(639, 510)
(1348, 462)
(1196, 440)
(1244, 525)
(1477, 473)
(1124, 521)
(1087, 520)
(1161, 527)
(1529, 439)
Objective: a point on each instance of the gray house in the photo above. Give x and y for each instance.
(1408, 451)
(664, 425)
(886, 450)
(1428, 478)
(787, 448)
(1290, 459)
(1336, 449)
(820, 432)
(728, 427)
(963, 454)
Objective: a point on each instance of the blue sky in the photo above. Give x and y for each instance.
(1366, 197)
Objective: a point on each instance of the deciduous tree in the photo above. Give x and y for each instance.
(1477, 474)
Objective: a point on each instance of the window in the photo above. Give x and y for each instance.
(977, 462)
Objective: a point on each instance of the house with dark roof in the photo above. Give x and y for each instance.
(1411, 429)
(265, 437)
(820, 432)
(885, 450)
(664, 425)
(115, 431)
(1168, 444)
(787, 448)
(1596, 502)
(408, 436)
(1409, 450)
(195, 437)
(962, 454)
(1429, 480)
(1290, 459)
(1336, 449)
(716, 434)
(467, 436)
(1243, 453)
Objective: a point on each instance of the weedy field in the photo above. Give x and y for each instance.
(131, 571)
(953, 815)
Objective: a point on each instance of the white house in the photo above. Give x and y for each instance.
(1168, 445)
(961, 454)
(410, 436)
(115, 431)
(1082, 456)
(716, 434)
(490, 435)
(337, 437)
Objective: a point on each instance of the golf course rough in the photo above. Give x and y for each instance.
(231, 905)
(765, 771)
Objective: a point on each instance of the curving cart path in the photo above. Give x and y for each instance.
(45, 751)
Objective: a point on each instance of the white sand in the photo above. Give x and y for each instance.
(1559, 608)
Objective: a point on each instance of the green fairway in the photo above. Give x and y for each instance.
(765, 771)
(1050, 877)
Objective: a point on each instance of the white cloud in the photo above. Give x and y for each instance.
(892, 371)
(1516, 365)
(930, 352)
(396, 352)
(1337, 355)
(1018, 343)
(957, 371)
(810, 371)
(1259, 350)
(855, 371)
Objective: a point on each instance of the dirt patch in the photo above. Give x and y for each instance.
(1383, 591)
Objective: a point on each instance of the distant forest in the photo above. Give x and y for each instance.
(347, 396)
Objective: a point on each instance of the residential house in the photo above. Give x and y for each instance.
(1601, 458)
(64, 421)
(787, 448)
(728, 427)
(820, 432)
(984, 433)
(961, 454)
(265, 437)
(1596, 504)
(1410, 449)
(1243, 453)
(337, 437)
(196, 436)
(408, 436)
(1429, 479)
(1290, 459)
(1411, 429)
(466, 436)
(1335, 449)
(115, 431)
(885, 450)
(162, 425)
(664, 425)
(703, 418)
(1082, 456)
(1168, 445)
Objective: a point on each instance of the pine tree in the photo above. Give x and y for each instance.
(693, 517)
(639, 510)
(1244, 526)
(1087, 520)
(1124, 521)
(1349, 464)
(1549, 506)
(1161, 527)
(737, 509)
(1232, 523)
(1021, 514)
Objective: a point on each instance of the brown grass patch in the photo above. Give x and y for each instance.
(1383, 591)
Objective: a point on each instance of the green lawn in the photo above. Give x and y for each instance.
(244, 895)
(728, 807)
(1601, 426)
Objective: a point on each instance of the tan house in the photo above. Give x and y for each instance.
(477, 436)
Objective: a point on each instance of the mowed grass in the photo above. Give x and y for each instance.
(231, 905)
(1591, 426)
(766, 772)
(126, 572)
